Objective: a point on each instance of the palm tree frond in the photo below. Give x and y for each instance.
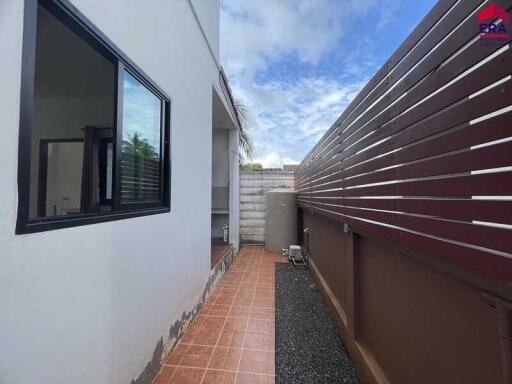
(245, 141)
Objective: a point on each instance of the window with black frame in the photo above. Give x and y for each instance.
(96, 144)
(141, 138)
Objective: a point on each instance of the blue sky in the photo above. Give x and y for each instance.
(297, 64)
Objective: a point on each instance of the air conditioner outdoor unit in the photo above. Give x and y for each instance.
(295, 253)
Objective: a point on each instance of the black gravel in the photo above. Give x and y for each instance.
(308, 348)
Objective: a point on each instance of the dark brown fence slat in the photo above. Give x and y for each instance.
(473, 54)
(489, 184)
(461, 36)
(496, 211)
(478, 235)
(465, 136)
(401, 161)
(460, 113)
(494, 156)
(438, 11)
(493, 264)
(491, 72)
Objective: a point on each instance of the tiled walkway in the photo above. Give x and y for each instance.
(232, 339)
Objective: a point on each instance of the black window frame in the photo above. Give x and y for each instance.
(105, 141)
(69, 15)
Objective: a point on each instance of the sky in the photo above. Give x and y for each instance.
(297, 64)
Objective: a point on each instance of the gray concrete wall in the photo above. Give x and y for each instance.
(253, 186)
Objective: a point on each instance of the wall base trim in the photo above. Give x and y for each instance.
(177, 329)
(367, 366)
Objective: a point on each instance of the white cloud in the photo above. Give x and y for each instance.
(290, 115)
(274, 160)
(257, 31)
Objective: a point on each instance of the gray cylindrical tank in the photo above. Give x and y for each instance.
(280, 219)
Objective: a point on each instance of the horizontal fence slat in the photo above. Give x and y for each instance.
(491, 184)
(435, 14)
(423, 154)
(492, 263)
(501, 66)
(497, 211)
(483, 158)
(475, 234)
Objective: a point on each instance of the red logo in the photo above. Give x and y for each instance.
(488, 18)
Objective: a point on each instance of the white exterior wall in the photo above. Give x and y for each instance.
(208, 12)
(88, 304)
(253, 187)
(220, 170)
(234, 190)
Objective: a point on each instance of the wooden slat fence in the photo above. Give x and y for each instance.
(422, 155)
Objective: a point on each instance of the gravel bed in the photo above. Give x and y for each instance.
(308, 348)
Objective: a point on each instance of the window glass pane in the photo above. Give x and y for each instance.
(140, 164)
(74, 98)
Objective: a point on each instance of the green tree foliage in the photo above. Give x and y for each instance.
(139, 147)
(251, 167)
(245, 141)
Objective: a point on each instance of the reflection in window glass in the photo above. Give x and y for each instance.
(63, 178)
(140, 165)
(74, 98)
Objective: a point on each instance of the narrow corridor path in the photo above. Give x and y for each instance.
(232, 339)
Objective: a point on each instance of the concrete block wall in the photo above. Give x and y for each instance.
(253, 186)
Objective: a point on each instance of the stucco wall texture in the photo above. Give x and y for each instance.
(88, 304)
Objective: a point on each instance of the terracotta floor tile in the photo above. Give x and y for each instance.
(174, 358)
(262, 313)
(219, 310)
(242, 301)
(239, 311)
(225, 300)
(207, 336)
(211, 300)
(264, 292)
(188, 337)
(165, 375)
(218, 251)
(217, 363)
(197, 356)
(219, 377)
(251, 378)
(229, 291)
(225, 358)
(232, 338)
(213, 322)
(187, 376)
(263, 302)
(262, 341)
(261, 325)
(236, 324)
(257, 362)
